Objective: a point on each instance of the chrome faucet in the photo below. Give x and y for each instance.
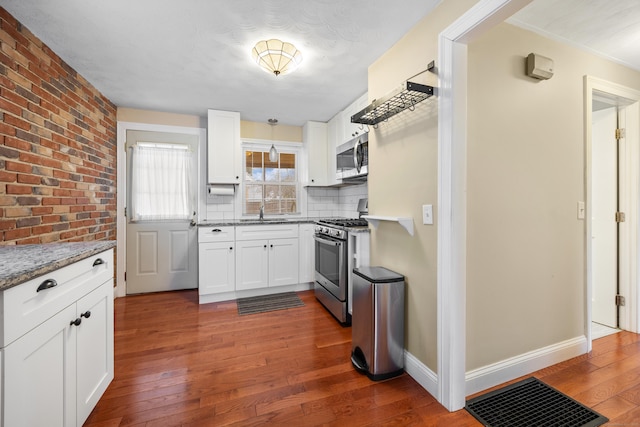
(261, 212)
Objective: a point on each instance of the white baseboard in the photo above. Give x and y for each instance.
(421, 373)
(509, 369)
(501, 372)
(229, 296)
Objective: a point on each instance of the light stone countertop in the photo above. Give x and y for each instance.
(273, 221)
(22, 263)
(268, 221)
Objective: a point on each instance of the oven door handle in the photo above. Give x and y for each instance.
(327, 241)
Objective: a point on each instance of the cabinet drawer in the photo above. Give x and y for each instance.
(27, 307)
(215, 234)
(275, 231)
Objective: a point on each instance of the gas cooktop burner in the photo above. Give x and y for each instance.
(345, 222)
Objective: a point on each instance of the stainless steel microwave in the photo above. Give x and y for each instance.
(352, 159)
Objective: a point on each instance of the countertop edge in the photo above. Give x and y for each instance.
(240, 223)
(24, 276)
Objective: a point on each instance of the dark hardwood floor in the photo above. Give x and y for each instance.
(178, 363)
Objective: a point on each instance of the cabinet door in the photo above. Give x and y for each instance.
(315, 148)
(351, 130)
(283, 262)
(252, 265)
(94, 348)
(39, 374)
(216, 268)
(307, 253)
(334, 134)
(224, 149)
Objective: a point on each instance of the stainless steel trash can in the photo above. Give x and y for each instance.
(377, 322)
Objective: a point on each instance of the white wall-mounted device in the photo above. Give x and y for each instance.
(539, 67)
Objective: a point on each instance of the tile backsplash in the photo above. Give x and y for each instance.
(342, 201)
(316, 202)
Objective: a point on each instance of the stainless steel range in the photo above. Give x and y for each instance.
(331, 265)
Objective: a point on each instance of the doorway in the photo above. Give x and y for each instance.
(605, 175)
(161, 242)
(612, 165)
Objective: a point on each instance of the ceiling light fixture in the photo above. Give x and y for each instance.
(273, 153)
(276, 57)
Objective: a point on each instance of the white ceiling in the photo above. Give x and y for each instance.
(190, 55)
(609, 28)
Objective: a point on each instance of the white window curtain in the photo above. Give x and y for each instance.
(161, 187)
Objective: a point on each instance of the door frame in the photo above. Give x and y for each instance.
(452, 176)
(122, 128)
(629, 172)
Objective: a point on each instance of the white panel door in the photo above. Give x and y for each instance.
(283, 262)
(161, 254)
(252, 264)
(604, 227)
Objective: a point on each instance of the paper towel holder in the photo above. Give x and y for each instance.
(221, 189)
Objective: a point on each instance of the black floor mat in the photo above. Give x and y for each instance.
(531, 402)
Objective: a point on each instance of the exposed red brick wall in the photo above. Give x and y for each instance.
(57, 146)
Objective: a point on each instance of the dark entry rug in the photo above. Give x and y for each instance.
(531, 402)
(266, 303)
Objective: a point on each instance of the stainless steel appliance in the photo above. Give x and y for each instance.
(331, 266)
(352, 159)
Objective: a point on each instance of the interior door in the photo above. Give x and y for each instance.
(161, 254)
(604, 226)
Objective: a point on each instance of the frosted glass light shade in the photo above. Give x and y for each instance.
(273, 154)
(276, 57)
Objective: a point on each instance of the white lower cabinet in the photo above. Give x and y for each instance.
(217, 268)
(250, 260)
(40, 375)
(283, 262)
(266, 256)
(307, 253)
(94, 348)
(54, 374)
(216, 260)
(266, 263)
(252, 264)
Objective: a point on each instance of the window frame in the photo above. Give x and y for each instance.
(281, 147)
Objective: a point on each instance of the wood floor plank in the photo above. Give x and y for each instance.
(178, 363)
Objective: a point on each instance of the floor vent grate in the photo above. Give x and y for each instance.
(263, 304)
(531, 402)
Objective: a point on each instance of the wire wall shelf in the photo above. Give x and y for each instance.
(404, 98)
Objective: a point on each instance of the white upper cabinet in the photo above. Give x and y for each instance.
(351, 130)
(340, 130)
(314, 136)
(224, 147)
(334, 134)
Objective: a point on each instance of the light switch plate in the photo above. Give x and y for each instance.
(427, 214)
(580, 210)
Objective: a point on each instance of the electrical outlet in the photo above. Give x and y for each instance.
(427, 214)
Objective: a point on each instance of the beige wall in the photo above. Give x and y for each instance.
(248, 129)
(403, 177)
(525, 245)
(279, 132)
(160, 118)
